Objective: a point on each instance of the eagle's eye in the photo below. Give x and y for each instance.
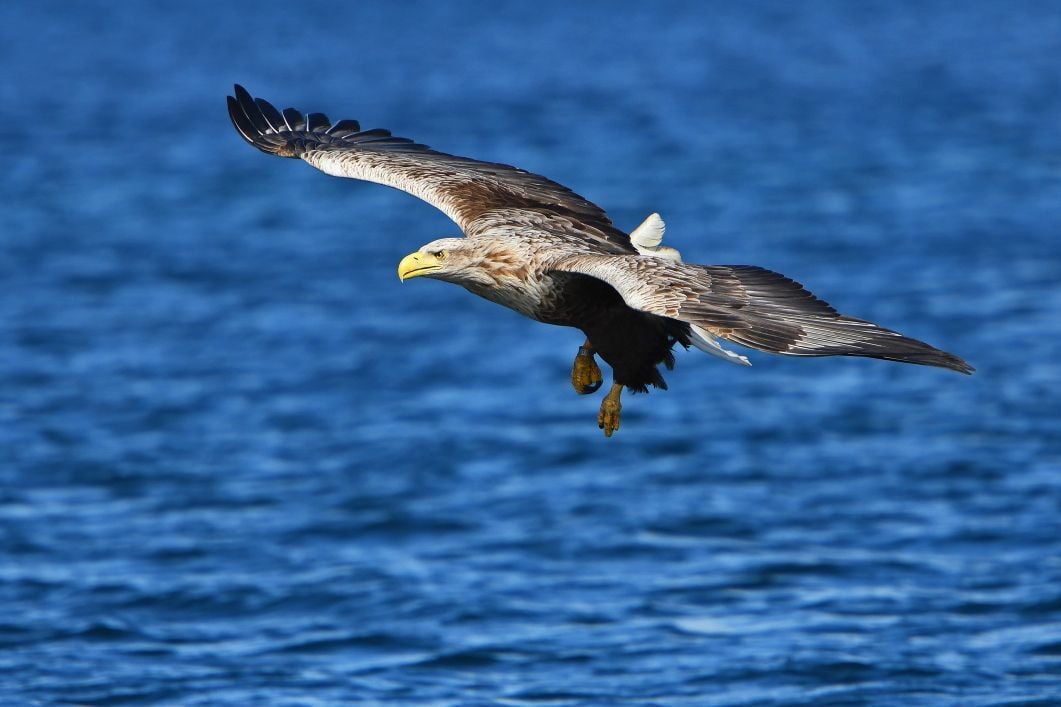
(440, 254)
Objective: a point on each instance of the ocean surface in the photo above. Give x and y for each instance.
(241, 464)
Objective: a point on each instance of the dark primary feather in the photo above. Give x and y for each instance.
(292, 118)
(465, 189)
(290, 134)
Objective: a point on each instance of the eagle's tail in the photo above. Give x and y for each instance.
(702, 339)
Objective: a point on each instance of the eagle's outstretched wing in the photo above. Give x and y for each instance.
(753, 307)
(462, 188)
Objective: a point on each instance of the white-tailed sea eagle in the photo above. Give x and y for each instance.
(535, 246)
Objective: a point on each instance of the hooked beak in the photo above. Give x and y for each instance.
(417, 264)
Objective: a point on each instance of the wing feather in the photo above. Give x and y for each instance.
(272, 116)
(753, 307)
(292, 118)
(462, 188)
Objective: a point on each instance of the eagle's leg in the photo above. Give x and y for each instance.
(608, 419)
(585, 374)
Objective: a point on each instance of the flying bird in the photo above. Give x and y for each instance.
(537, 247)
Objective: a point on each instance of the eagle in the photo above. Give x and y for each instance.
(537, 247)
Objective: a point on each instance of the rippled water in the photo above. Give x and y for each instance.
(243, 465)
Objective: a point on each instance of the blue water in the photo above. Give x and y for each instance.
(240, 464)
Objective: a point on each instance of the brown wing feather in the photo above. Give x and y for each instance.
(462, 188)
(754, 307)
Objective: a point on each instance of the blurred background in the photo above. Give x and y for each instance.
(242, 464)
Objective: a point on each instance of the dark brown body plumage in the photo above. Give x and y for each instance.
(632, 342)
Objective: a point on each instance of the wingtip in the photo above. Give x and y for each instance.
(256, 120)
(239, 120)
(956, 363)
(942, 359)
(291, 133)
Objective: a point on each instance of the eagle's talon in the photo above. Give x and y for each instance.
(608, 418)
(585, 374)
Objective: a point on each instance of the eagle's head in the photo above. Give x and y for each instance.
(457, 260)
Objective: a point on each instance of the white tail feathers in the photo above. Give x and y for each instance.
(648, 236)
(706, 342)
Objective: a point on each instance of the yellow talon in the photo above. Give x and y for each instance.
(585, 373)
(608, 418)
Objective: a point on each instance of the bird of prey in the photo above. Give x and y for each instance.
(535, 246)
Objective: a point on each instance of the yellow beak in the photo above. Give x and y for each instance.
(417, 264)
